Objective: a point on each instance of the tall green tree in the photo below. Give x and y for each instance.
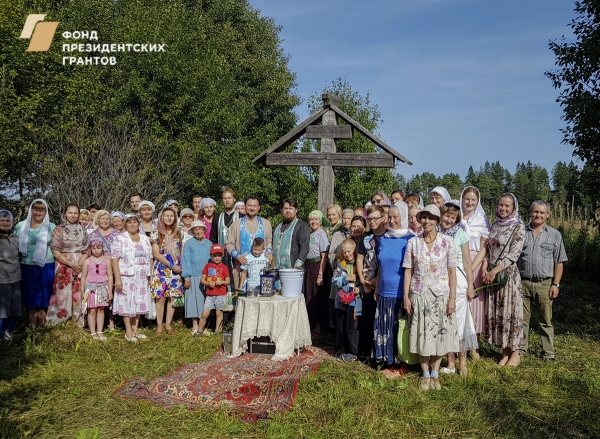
(578, 78)
(422, 184)
(219, 94)
(531, 182)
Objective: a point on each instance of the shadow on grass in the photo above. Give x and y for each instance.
(30, 349)
(21, 353)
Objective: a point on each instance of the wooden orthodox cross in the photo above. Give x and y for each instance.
(328, 158)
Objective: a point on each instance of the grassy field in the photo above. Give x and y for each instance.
(57, 383)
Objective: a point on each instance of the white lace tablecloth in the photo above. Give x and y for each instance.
(283, 319)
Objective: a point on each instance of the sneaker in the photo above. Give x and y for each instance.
(7, 336)
(347, 358)
(447, 371)
(434, 384)
(207, 333)
(424, 383)
(462, 373)
(132, 339)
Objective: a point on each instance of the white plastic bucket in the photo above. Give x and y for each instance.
(291, 282)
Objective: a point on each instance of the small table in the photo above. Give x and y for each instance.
(283, 319)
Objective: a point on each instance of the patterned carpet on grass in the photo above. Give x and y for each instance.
(251, 386)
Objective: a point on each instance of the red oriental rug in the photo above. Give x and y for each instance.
(251, 386)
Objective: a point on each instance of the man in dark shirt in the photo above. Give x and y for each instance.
(291, 238)
(541, 267)
(221, 222)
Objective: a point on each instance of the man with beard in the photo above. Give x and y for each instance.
(242, 233)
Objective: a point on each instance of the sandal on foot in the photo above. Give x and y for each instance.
(94, 335)
(424, 383)
(101, 336)
(141, 336)
(132, 339)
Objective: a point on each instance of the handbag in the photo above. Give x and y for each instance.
(404, 353)
(501, 278)
(178, 302)
(346, 297)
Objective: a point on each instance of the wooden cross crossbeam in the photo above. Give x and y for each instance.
(329, 132)
(338, 159)
(328, 158)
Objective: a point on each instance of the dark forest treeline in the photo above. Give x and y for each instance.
(565, 187)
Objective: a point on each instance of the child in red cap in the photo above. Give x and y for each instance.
(215, 277)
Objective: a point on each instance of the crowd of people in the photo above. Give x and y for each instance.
(441, 265)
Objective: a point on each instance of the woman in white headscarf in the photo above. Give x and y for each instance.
(390, 285)
(439, 196)
(37, 261)
(146, 212)
(477, 227)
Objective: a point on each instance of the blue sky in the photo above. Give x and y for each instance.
(458, 82)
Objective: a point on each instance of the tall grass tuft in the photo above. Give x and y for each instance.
(582, 243)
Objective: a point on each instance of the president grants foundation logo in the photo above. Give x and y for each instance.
(40, 32)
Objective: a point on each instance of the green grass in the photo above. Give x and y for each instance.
(57, 383)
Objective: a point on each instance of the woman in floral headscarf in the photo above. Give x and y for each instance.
(166, 285)
(505, 304)
(37, 261)
(69, 244)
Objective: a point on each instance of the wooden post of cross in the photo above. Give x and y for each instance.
(326, 176)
